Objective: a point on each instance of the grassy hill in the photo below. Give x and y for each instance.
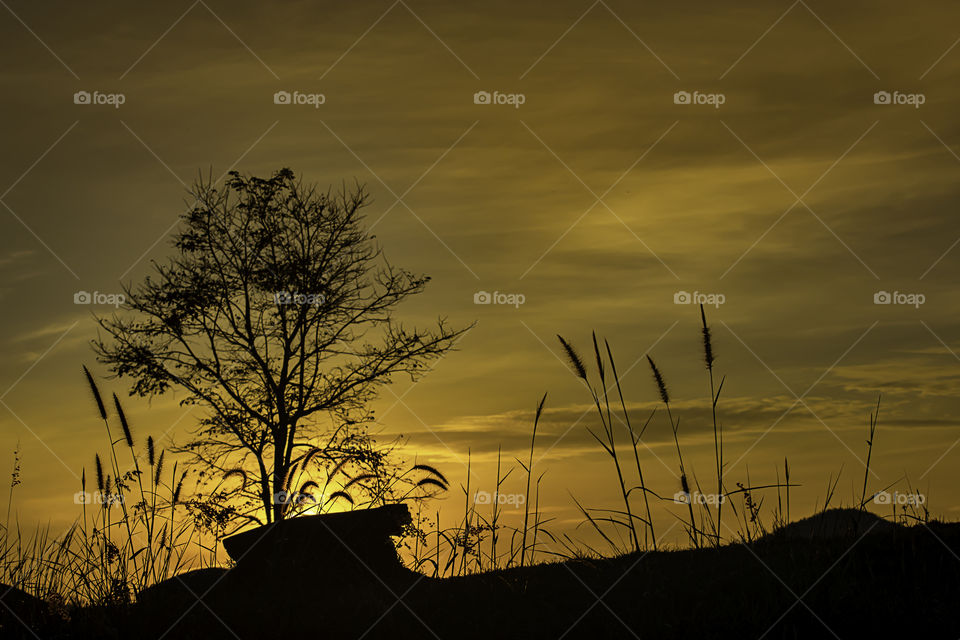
(882, 582)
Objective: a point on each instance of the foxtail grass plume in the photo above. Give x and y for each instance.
(360, 478)
(156, 475)
(575, 361)
(431, 482)
(123, 422)
(150, 451)
(307, 486)
(339, 494)
(99, 467)
(96, 393)
(236, 472)
(661, 385)
(338, 468)
(15, 474)
(432, 471)
(176, 492)
(596, 351)
(543, 401)
(288, 478)
(313, 453)
(707, 343)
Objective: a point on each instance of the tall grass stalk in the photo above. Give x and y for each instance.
(468, 508)
(675, 428)
(529, 469)
(120, 482)
(609, 441)
(495, 503)
(635, 439)
(874, 418)
(708, 358)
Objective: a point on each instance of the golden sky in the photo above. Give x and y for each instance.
(814, 166)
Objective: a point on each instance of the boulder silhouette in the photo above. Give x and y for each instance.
(288, 569)
(182, 588)
(285, 571)
(354, 540)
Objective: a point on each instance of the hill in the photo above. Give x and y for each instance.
(871, 581)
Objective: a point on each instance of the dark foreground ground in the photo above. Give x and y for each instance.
(889, 584)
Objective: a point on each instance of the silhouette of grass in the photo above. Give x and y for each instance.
(138, 530)
(462, 543)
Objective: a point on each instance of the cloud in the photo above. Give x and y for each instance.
(564, 430)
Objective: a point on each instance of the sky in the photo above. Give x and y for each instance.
(794, 165)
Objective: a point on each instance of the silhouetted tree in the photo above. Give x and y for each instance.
(276, 315)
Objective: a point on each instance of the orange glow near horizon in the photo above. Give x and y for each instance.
(813, 210)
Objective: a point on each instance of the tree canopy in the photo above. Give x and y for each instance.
(276, 314)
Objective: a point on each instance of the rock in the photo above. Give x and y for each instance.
(183, 587)
(340, 567)
(345, 558)
(289, 573)
(333, 545)
(177, 602)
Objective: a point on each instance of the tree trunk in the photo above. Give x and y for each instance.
(278, 498)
